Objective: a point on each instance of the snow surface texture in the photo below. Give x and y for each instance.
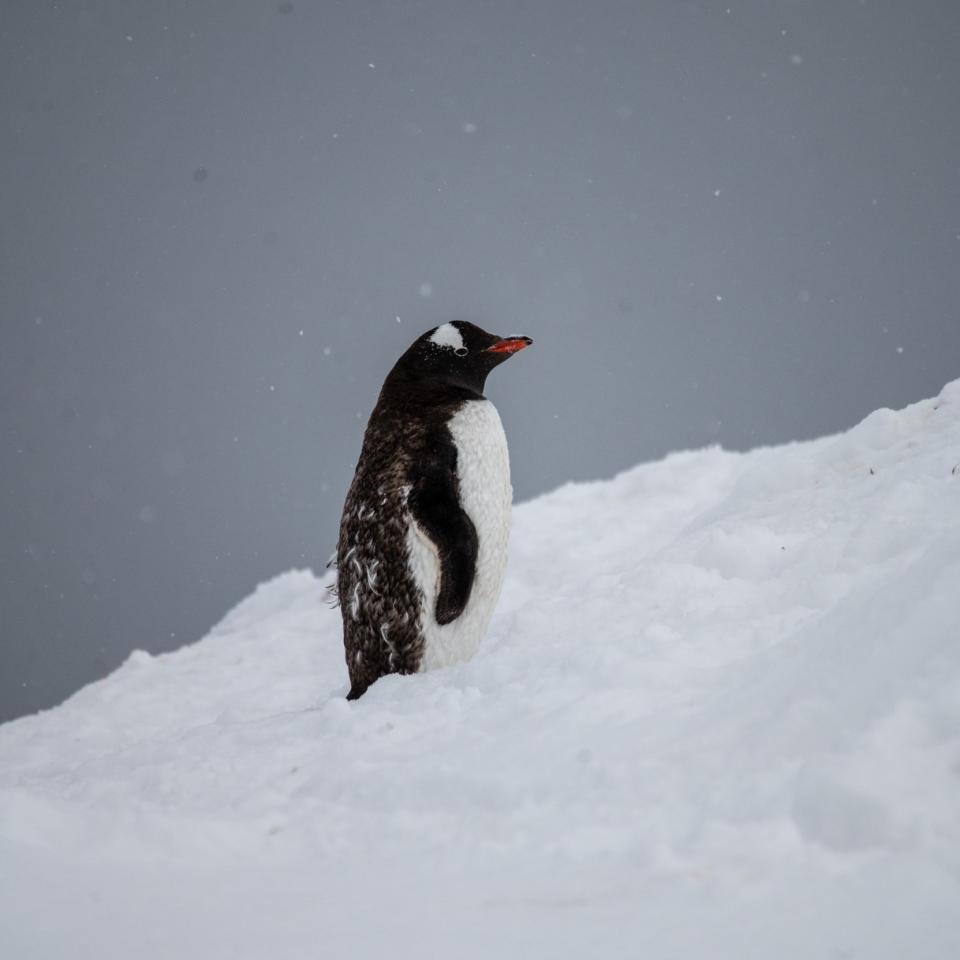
(717, 715)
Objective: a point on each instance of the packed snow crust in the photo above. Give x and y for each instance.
(717, 715)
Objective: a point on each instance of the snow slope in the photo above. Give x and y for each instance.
(717, 716)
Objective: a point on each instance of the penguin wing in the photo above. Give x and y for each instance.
(434, 501)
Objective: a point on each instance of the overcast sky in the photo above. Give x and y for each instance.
(221, 222)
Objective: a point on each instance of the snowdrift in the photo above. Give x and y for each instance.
(717, 715)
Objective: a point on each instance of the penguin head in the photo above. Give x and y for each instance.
(457, 354)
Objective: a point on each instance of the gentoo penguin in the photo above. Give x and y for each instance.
(423, 538)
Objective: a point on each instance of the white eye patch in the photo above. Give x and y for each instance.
(448, 335)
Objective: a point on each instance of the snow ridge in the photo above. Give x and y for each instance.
(717, 715)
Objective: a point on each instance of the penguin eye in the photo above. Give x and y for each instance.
(461, 351)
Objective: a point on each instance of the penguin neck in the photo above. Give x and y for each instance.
(404, 392)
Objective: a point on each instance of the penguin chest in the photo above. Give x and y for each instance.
(483, 473)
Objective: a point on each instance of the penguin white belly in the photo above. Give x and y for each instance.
(483, 469)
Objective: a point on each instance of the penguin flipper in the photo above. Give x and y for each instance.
(435, 504)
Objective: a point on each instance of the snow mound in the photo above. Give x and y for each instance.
(717, 715)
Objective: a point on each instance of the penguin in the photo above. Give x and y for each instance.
(423, 537)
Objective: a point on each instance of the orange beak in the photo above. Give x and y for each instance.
(509, 345)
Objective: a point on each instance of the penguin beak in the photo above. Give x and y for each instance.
(509, 345)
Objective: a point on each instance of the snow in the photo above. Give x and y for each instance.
(717, 715)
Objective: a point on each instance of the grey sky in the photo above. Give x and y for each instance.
(721, 222)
